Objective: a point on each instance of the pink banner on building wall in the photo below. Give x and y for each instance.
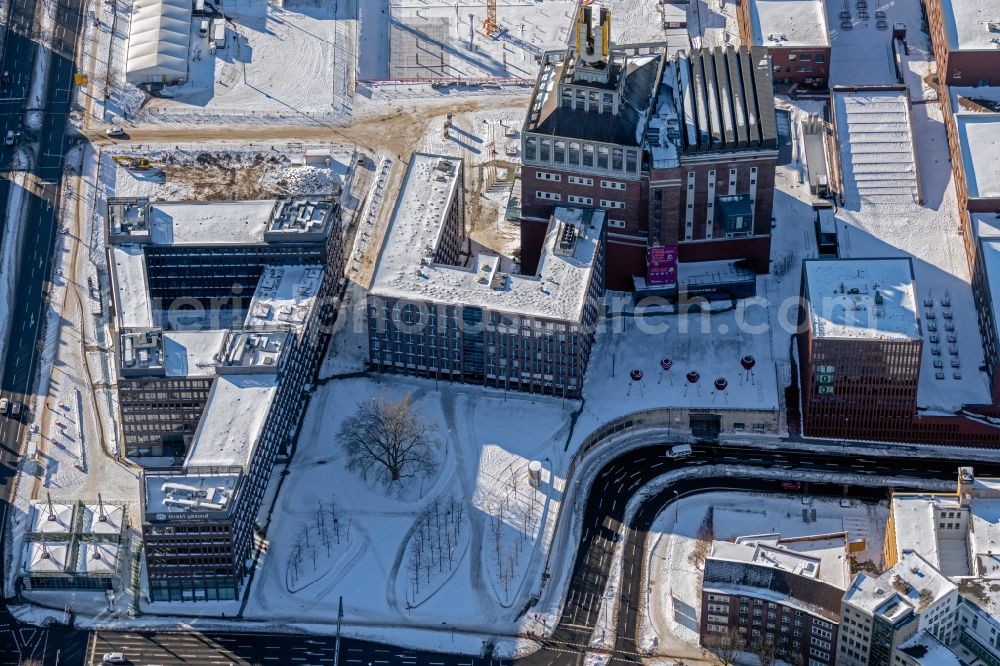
(661, 265)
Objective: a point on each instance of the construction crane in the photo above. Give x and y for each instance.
(490, 25)
(131, 162)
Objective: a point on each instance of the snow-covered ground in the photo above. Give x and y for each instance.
(193, 172)
(73, 433)
(483, 464)
(247, 80)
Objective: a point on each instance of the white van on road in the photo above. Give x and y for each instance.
(680, 451)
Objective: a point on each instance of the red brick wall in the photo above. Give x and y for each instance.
(625, 260)
(786, 70)
(633, 195)
(675, 196)
(757, 249)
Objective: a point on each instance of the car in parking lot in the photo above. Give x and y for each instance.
(4, 406)
(114, 658)
(16, 408)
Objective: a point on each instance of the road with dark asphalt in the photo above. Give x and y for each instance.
(49, 139)
(603, 529)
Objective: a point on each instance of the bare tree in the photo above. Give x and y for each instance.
(389, 443)
(765, 650)
(727, 646)
(703, 546)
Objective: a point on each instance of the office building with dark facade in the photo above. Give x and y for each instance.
(860, 348)
(785, 593)
(870, 354)
(433, 314)
(796, 35)
(218, 321)
(184, 273)
(678, 151)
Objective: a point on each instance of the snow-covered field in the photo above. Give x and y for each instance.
(483, 462)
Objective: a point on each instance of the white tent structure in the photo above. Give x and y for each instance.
(158, 41)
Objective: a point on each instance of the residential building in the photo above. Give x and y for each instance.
(958, 533)
(881, 614)
(679, 151)
(966, 38)
(434, 313)
(783, 592)
(795, 33)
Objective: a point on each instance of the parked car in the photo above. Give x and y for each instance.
(680, 451)
(4, 406)
(16, 408)
(115, 658)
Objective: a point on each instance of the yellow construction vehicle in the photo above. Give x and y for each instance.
(130, 162)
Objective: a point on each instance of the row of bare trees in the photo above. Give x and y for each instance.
(327, 530)
(514, 519)
(435, 541)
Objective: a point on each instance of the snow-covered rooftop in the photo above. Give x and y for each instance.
(246, 350)
(789, 23)
(46, 557)
(52, 517)
(979, 138)
(284, 295)
(191, 353)
(862, 298)
(128, 265)
(183, 493)
(916, 528)
(98, 558)
(557, 291)
(925, 650)
(207, 222)
(822, 558)
(103, 519)
(912, 584)
(233, 419)
(967, 23)
(880, 143)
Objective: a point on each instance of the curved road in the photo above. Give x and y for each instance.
(603, 528)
